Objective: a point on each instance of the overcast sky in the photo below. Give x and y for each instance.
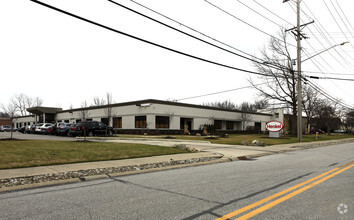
(65, 61)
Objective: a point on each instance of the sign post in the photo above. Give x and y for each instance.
(274, 128)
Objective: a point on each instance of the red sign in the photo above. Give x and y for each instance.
(274, 126)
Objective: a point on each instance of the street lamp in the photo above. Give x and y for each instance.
(325, 50)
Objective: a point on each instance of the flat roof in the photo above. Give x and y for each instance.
(40, 110)
(155, 101)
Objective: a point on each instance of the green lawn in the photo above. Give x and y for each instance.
(236, 139)
(29, 153)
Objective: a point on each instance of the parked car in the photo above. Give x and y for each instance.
(55, 127)
(22, 129)
(314, 131)
(42, 128)
(64, 129)
(38, 128)
(31, 129)
(91, 128)
(5, 128)
(340, 131)
(47, 128)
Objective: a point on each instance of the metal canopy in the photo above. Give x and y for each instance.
(41, 110)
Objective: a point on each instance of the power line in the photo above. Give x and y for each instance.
(319, 30)
(325, 94)
(182, 32)
(319, 27)
(341, 19)
(259, 13)
(272, 12)
(228, 13)
(345, 15)
(193, 29)
(336, 21)
(329, 73)
(216, 93)
(317, 77)
(146, 41)
(340, 88)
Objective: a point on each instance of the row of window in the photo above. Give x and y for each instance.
(141, 122)
(229, 125)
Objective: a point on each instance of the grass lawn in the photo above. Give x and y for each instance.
(29, 153)
(236, 139)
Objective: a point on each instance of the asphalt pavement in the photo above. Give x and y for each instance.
(209, 153)
(314, 183)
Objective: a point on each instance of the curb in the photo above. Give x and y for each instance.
(143, 139)
(90, 174)
(59, 178)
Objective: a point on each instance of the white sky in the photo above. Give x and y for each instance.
(66, 61)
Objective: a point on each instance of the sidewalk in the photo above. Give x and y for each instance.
(209, 153)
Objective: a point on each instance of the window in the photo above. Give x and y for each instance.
(217, 124)
(229, 125)
(140, 121)
(105, 121)
(162, 122)
(117, 122)
(276, 115)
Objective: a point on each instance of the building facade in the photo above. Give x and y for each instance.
(154, 116)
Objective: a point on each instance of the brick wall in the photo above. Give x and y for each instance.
(5, 121)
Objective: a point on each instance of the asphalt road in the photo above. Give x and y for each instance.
(205, 192)
(20, 135)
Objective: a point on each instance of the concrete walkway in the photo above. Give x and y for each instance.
(209, 153)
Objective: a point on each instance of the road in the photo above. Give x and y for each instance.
(205, 192)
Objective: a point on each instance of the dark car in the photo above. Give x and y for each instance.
(22, 129)
(55, 128)
(314, 131)
(90, 128)
(64, 129)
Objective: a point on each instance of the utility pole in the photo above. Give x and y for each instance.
(299, 87)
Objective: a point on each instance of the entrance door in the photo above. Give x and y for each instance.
(258, 127)
(186, 122)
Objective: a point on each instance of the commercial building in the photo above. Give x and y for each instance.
(155, 116)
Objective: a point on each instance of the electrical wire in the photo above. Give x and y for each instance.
(330, 73)
(260, 14)
(193, 29)
(341, 19)
(216, 93)
(319, 27)
(146, 41)
(345, 15)
(189, 35)
(272, 12)
(239, 19)
(336, 21)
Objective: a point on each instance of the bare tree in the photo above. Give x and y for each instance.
(22, 102)
(10, 110)
(348, 120)
(83, 112)
(279, 79)
(37, 102)
(328, 115)
(310, 100)
(97, 101)
(4, 115)
(109, 109)
(245, 118)
(222, 105)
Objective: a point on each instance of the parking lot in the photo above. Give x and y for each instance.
(19, 135)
